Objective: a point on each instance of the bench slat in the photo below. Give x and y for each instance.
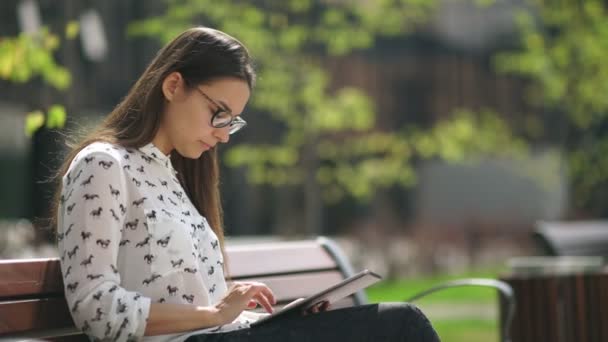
(36, 314)
(277, 258)
(287, 288)
(19, 278)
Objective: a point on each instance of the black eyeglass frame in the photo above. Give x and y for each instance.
(236, 123)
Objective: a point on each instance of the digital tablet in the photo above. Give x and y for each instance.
(332, 294)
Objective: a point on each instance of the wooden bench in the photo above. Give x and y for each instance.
(32, 302)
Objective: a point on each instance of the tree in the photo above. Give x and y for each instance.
(563, 55)
(27, 56)
(330, 147)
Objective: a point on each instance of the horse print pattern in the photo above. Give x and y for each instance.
(122, 207)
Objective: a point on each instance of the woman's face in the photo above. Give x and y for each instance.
(186, 122)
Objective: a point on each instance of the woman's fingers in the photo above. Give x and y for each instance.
(267, 293)
(325, 306)
(262, 294)
(261, 298)
(319, 307)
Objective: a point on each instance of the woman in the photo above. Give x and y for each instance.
(139, 218)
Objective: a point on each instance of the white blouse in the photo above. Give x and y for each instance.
(128, 235)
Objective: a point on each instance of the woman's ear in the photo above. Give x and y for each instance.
(171, 85)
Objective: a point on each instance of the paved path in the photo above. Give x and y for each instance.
(460, 310)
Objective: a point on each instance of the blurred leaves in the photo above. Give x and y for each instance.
(563, 54)
(337, 27)
(329, 132)
(72, 29)
(55, 118)
(33, 122)
(27, 56)
(358, 164)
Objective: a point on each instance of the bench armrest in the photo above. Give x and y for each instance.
(505, 289)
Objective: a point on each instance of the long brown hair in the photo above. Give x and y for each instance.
(199, 55)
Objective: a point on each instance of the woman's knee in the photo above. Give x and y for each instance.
(409, 319)
(402, 312)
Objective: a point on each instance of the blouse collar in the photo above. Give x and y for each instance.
(153, 152)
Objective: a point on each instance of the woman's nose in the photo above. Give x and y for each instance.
(222, 134)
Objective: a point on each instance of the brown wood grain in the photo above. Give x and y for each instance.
(31, 290)
(34, 314)
(19, 278)
(560, 308)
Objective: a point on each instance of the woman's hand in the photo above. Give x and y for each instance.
(321, 306)
(244, 295)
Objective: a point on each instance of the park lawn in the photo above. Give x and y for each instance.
(402, 289)
(457, 328)
(467, 330)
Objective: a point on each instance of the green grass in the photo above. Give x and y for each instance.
(399, 290)
(450, 329)
(469, 330)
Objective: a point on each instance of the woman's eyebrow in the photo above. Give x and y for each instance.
(226, 107)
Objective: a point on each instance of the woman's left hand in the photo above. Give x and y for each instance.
(319, 307)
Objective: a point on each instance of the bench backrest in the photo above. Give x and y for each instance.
(32, 302)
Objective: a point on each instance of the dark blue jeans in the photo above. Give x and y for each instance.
(373, 323)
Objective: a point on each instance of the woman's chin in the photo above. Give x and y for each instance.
(192, 153)
(197, 155)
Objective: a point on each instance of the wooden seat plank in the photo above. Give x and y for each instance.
(36, 314)
(276, 258)
(30, 277)
(287, 288)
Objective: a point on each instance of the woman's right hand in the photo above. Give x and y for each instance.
(244, 295)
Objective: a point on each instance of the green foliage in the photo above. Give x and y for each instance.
(357, 164)
(55, 118)
(25, 57)
(72, 29)
(563, 54)
(330, 133)
(33, 122)
(291, 26)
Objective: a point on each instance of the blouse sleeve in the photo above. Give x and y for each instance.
(89, 231)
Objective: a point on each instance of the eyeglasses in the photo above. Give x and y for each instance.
(223, 117)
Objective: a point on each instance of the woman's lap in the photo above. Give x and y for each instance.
(373, 322)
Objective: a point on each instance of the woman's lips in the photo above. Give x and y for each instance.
(207, 147)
